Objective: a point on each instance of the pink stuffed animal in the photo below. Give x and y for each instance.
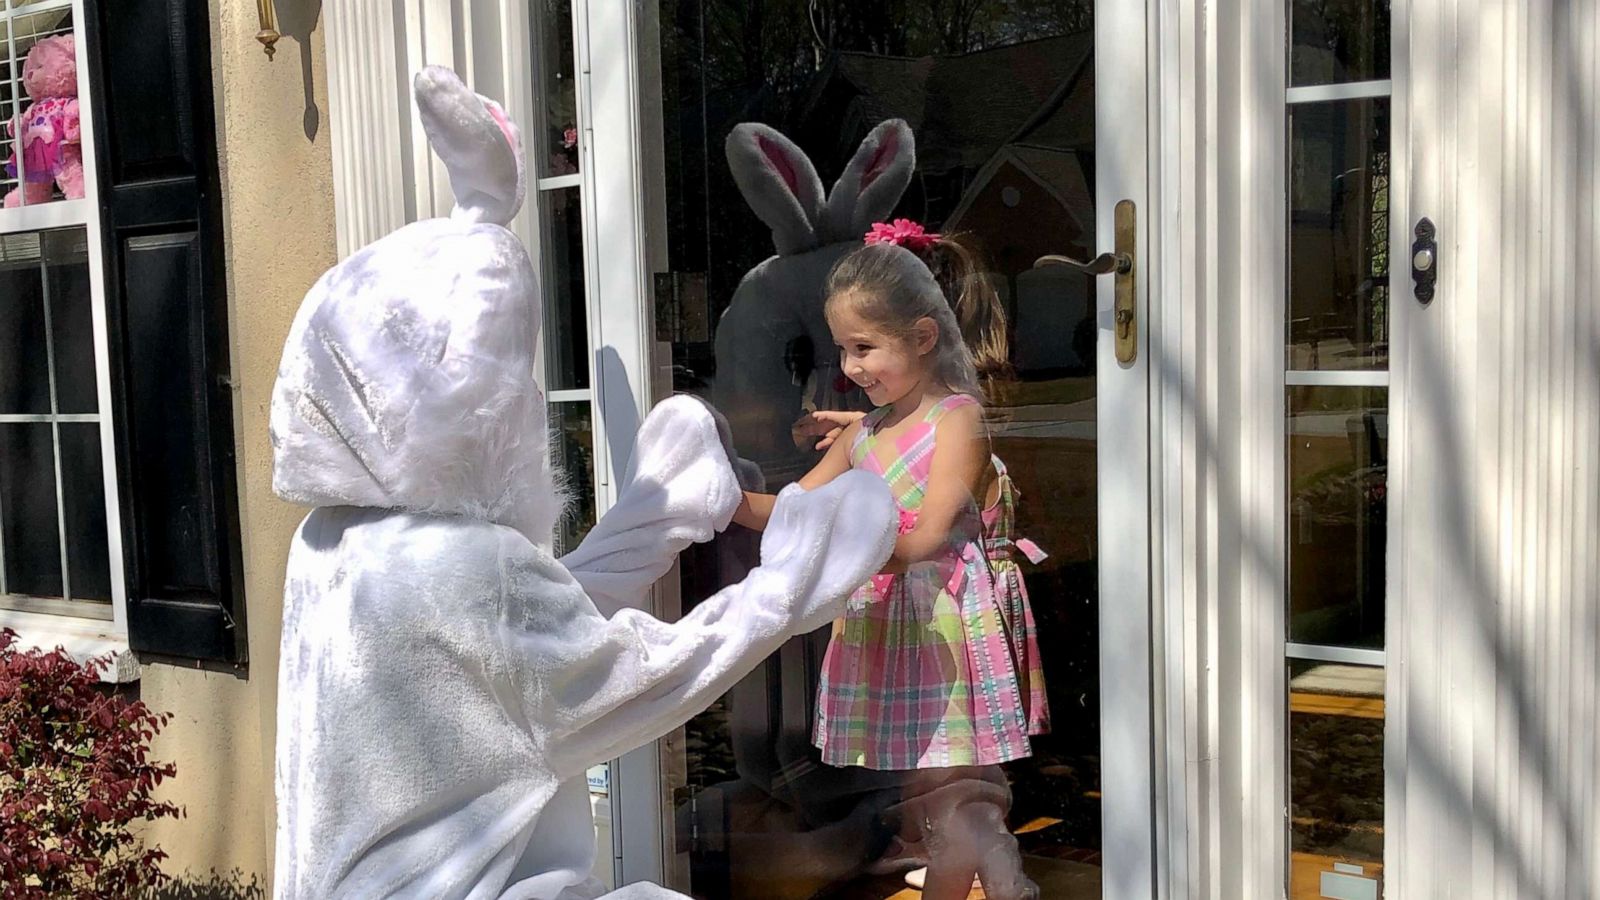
(47, 133)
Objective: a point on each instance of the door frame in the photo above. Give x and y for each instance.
(1122, 452)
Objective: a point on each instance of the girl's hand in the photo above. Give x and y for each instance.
(826, 424)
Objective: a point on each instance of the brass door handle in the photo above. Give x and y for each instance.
(1104, 264)
(1124, 264)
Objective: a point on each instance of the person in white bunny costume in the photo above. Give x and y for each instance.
(444, 681)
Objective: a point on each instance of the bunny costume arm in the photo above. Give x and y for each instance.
(604, 686)
(680, 490)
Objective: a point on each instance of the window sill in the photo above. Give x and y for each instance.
(81, 638)
(43, 216)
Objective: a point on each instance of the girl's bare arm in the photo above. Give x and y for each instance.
(756, 509)
(960, 460)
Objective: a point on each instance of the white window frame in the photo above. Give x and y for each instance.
(45, 624)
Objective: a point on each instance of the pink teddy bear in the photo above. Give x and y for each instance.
(47, 133)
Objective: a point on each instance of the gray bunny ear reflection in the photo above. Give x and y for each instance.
(779, 183)
(774, 357)
(870, 187)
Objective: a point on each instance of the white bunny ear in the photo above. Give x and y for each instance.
(780, 184)
(481, 148)
(871, 185)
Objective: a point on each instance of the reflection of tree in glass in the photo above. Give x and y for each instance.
(1339, 40)
(1336, 785)
(1343, 494)
(780, 45)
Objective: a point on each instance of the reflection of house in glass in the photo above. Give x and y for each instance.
(1012, 166)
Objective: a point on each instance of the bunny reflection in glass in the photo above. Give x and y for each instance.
(444, 681)
(774, 354)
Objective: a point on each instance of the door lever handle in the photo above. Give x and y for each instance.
(1123, 263)
(1104, 264)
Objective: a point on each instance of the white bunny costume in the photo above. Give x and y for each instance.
(444, 682)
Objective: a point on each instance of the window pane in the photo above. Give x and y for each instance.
(29, 534)
(24, 364)
(1335, 41)
(83, 493)
(1335, 780)
(71, 324)
(1339, 235)
(574, 459)
(36, 267)
(558, 145)
(566, 325)
(1338, 442)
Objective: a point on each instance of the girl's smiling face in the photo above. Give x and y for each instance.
(885, 366)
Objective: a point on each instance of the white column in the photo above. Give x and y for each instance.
(365, 100)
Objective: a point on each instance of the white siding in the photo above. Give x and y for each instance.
(1496, 461)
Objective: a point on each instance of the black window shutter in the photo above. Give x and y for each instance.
(150, 70)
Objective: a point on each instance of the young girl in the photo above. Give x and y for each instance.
(934, 667)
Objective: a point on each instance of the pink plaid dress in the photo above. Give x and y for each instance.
(939, 666)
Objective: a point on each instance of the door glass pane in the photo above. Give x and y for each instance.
(1335, 780)
(759, 812)
(1335, 41)
(557, 142)
(566, 320)
(1338, 475)
(1339, 235)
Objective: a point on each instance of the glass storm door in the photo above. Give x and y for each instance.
(1029, 130)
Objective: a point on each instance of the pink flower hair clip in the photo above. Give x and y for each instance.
(904, 232)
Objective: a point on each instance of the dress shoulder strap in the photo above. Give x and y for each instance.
(953, 401)
(1008, 485)
(864, 434)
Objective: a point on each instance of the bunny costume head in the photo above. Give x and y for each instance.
(406, 381)
(774, 354)
(444, 682)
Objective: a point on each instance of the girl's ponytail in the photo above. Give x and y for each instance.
(960, 273)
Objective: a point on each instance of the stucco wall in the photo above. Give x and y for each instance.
(279, 229)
